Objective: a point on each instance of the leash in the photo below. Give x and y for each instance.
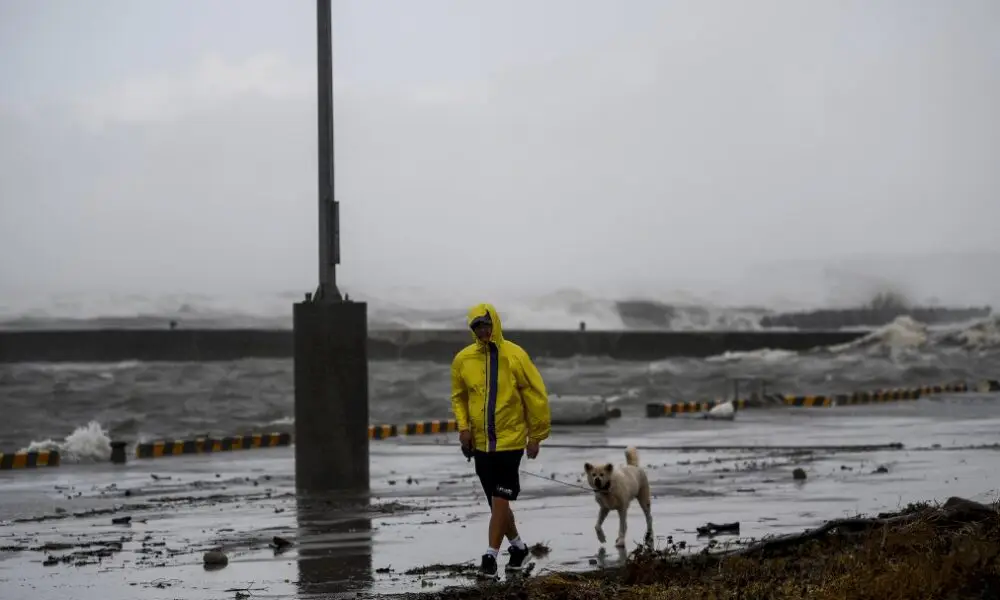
(566, 483)
(803, 448)
(760, 447)
(467, 452)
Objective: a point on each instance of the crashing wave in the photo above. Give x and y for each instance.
(904, 334)
(566, 309)
(89, 443)
(982, 335)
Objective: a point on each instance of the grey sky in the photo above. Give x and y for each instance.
(483, 146)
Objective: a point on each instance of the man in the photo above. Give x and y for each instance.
(502, 409)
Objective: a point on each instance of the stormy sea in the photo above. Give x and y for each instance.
(77, 408)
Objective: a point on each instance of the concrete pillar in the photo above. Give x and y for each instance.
(331, 396)
(118, 453)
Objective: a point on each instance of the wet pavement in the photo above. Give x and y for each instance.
(65, 532)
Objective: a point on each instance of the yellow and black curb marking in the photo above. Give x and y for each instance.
(208, 445)
(28, 460)
(875, 397)
(810, 401)
(880, 396)
(927, 390)
(381, 432)
(654, 409)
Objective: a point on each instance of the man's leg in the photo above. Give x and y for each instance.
(507, 489)
(508, 480)
(486, 470)
(501, 522)
(511, 525)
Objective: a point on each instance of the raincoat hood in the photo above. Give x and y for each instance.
(481, 310)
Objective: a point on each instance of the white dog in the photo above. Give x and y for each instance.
(615, 488)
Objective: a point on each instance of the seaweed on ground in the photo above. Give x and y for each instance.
(947, 551)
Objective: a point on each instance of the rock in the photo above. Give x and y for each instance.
(279, 543)
(972, 511)
(719, 528)
(798, 475)
(121, 520)
(215, 558)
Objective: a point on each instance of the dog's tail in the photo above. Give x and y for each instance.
(632, 457)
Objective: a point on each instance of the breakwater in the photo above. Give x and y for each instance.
(434, 345)
(872, 317)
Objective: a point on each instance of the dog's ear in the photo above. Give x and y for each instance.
(609, 467)
(588, 467)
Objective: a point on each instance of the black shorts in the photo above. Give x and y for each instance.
(499, 473)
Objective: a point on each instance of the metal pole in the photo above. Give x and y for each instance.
(329, 217)
(331, 335)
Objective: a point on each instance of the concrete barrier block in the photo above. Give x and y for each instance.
(208, 445)
(28, 460)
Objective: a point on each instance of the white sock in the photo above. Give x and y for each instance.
(517, 543)
(493, 552)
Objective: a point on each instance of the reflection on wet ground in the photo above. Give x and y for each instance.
(142, 530)
(334, 546)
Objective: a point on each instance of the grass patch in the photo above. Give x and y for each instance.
(951, 551)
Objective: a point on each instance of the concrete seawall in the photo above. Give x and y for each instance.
(440, 345)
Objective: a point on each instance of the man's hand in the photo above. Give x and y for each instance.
(532, 449)
(465, 438)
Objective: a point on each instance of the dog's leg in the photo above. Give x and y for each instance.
(599, 528)
(645, 502)
(622, 526)
(647, 510)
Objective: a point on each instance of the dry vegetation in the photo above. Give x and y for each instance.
(924, 552)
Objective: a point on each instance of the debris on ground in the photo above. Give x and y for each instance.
(719, 528)
(467, 569)
(279, 544)
(215, 559)
(923, 551)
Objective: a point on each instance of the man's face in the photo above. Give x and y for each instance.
(483, 329)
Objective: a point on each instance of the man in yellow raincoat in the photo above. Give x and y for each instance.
(502, 409)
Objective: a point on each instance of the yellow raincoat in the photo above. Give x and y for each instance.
(497, 392)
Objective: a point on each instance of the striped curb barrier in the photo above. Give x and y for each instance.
(876, 397)
(945, 389)
(381, 432)
(654, 410)
(208, 445)
(28, 460)
(882, 396)
(810, 401)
